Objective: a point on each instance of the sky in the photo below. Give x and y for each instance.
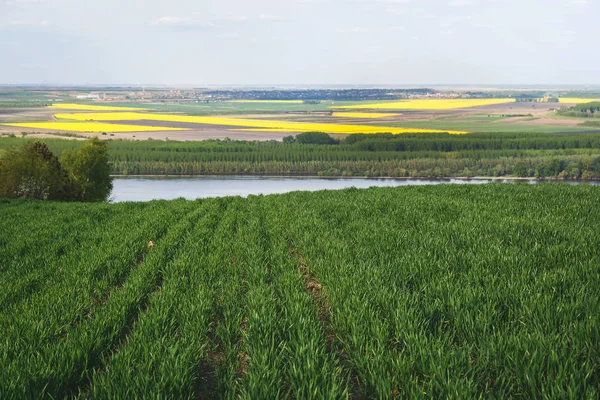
(302, 42)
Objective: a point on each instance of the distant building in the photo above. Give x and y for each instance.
(89, 97)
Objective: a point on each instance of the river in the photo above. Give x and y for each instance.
(154, 188)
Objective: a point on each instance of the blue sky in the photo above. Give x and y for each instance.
(207, 42)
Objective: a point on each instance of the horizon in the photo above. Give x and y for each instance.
(288, 86)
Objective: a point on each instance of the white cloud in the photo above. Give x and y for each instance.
(17, 3)
(171, 21)
(180, 23)
(28, 23)
(229, 35)
(235, 18)
(397, 11)
(461, 3)
(269, 17)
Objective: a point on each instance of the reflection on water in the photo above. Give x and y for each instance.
(145, 189)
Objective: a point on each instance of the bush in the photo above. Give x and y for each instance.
(289, 139)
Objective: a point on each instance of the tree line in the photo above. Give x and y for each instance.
(586, 110)
(35, 172)
(536, 155)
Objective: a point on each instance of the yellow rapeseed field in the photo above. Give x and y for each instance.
(244, 123)
(427, 104)
(363, 115)
(92, 127)
(90, 107)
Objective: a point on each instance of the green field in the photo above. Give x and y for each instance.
(224, 107)
(482, 126)
(419, 292)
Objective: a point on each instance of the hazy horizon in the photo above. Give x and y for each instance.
(372, 43)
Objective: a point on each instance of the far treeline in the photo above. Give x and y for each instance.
(586, 110)
(531, 155)
(34, 172)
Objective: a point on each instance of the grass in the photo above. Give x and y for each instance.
(441, 291)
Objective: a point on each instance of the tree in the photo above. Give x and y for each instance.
(289, 139)
(33, 172)
(89, 171)
(315, 138)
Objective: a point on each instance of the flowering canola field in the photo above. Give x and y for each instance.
(92, 127)
(427, 104)
(89, 107)
(245, 124)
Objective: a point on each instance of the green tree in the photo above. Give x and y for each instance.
(89, 171)
(315, 138)
(33, 172)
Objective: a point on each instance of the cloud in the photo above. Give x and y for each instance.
(19, 3)
(228, 35)
(269, 17)
(235, 18)
(354, 29)
(461, 3)
(397, 11)
(583, 2)
(179, 23)
(384, 1)
(27, 24)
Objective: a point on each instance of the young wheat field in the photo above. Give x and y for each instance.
(418, 292)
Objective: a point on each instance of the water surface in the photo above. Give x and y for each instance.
(154, 188)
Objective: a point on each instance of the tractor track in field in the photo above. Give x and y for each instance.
(324, 310)
(206, 378)
(206, 384)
